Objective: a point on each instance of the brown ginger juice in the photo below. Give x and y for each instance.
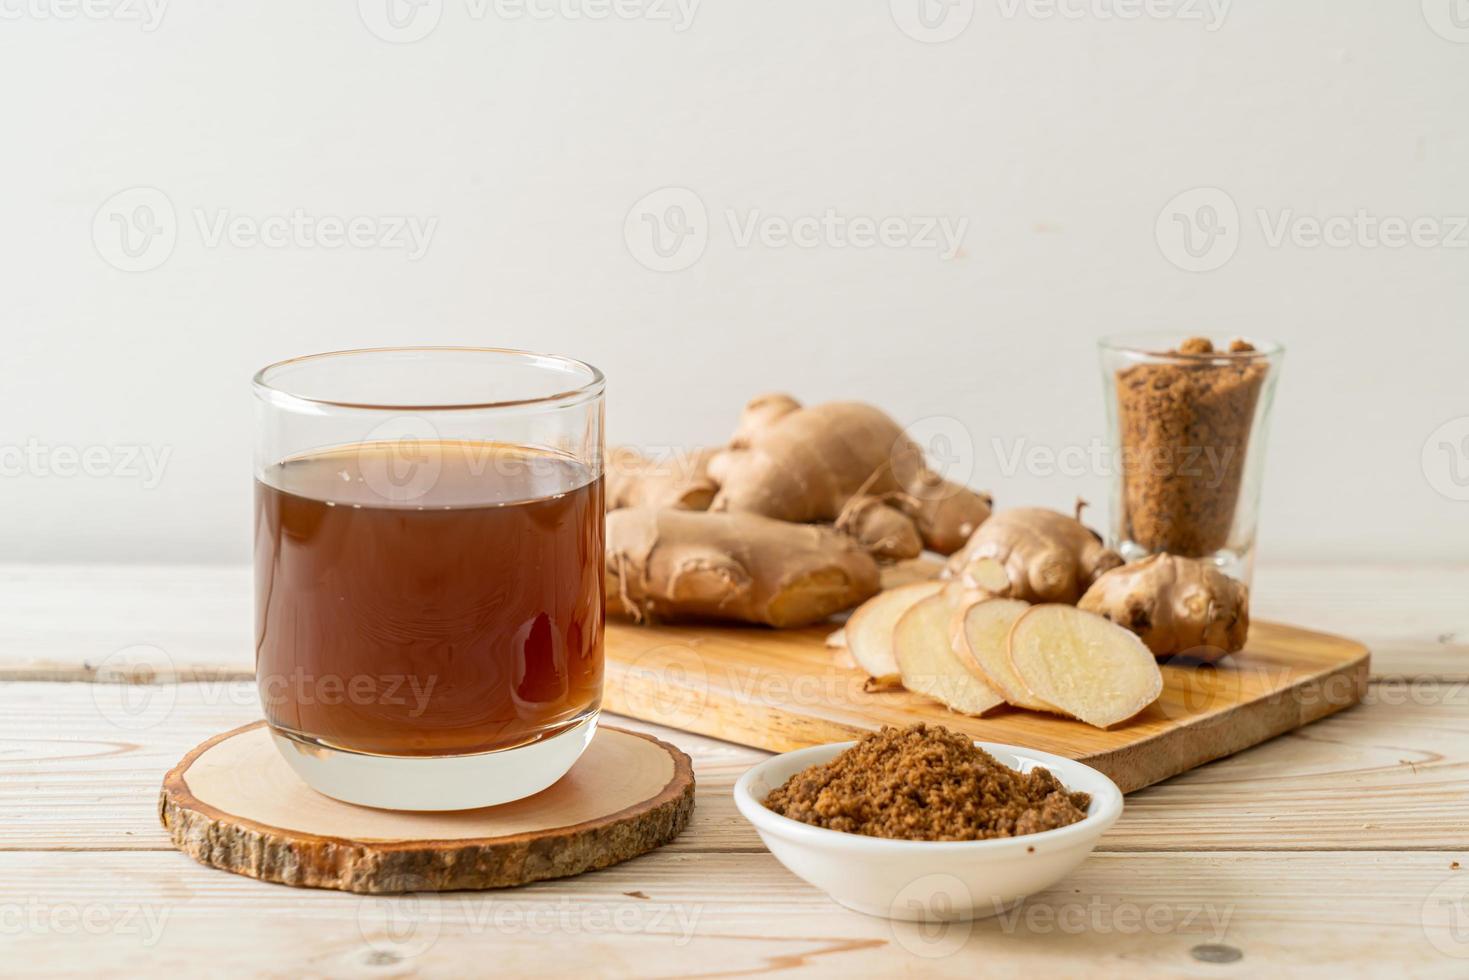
(428, 599)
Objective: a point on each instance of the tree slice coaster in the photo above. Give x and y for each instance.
(233, 803)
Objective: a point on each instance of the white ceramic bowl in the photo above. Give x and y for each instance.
(928, 880)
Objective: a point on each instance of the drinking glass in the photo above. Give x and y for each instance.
(428, 571)
(1188, 432)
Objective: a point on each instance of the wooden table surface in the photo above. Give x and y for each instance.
(1335, 849)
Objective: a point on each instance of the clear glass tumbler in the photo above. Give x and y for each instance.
(428, 571)
(1188, 421)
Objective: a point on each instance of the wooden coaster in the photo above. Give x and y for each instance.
(233, 803)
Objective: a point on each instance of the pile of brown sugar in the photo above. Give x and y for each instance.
(1185, 429)
(926, 783)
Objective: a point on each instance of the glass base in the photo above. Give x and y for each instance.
(1236, 563)
(455, 782)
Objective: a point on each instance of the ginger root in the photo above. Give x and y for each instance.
(680, 564)
(1048, 556)
(881, 529)
(1176, 605)
(682, 481)
(848, 463)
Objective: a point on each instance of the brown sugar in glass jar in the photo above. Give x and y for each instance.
(1188, 419)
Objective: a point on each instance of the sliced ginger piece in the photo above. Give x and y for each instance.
(1084, 664)
(928, 663)
(981, 633)
(910, 571)
(869, 629)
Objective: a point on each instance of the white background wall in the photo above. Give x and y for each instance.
(1060, 139)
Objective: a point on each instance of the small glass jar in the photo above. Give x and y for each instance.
(1188, 420)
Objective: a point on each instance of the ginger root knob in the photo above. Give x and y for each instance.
(1176, 605)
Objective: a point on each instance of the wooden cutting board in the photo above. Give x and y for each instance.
(783, 690)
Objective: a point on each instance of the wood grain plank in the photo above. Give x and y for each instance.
(1414, 618)
(62, 620)
(730, 915)
(1388, 774)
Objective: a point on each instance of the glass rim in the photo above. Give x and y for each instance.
(1152, 344)
(265, 389)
